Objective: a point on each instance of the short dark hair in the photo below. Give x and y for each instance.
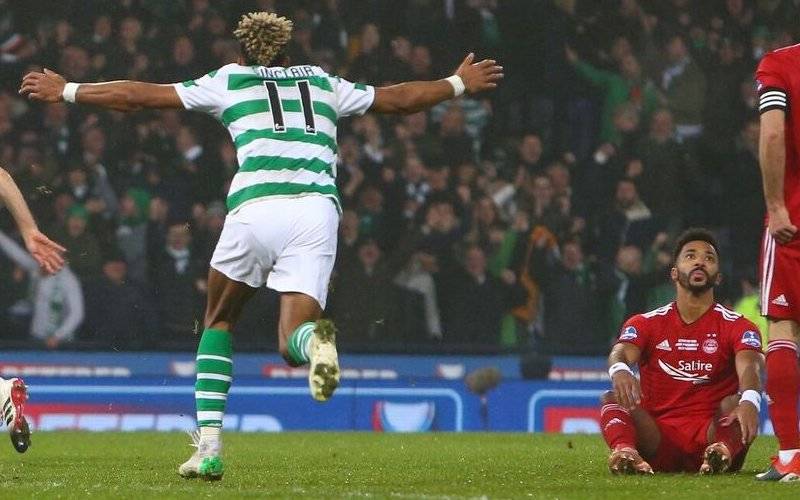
(694, 234)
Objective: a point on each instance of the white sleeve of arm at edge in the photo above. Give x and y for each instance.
(353, 98)
(204, 93)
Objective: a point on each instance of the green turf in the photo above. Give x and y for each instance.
(354, 465)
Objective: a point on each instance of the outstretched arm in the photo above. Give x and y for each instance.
(123, 95)
(410, 97)
(46, 253)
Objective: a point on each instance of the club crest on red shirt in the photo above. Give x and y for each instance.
(710, 346)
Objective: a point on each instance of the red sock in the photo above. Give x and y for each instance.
(783, 392)
(618, 428)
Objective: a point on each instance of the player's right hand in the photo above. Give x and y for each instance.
(780, 226)
(49, 254)
(627, 389)
(46, 87)
(479, 76)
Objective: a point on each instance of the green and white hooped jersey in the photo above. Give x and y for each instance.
(283, 123)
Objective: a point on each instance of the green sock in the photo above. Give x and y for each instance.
(214, 370)
(299, 341)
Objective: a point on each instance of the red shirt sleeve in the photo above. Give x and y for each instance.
(635, 332)
(772, 87)
(744, 335)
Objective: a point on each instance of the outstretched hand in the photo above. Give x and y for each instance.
(46, 252)
(479, 76)
(45, 87)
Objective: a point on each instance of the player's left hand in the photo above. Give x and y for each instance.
(45, 87)
(479, 76)
(49, 254)
(747, 416)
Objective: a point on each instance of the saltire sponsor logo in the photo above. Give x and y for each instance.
(710, 346)
(686, 344)
(629, 333)
(751, 338)
(688, 371)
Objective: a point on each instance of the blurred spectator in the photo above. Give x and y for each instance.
(120, 315)
(196, 169)
(571, 309)
(83, 249)
(132, 233)
(684, 86)
(456, 144)
(183, 65)
(361, 302)
(178, 279)
(57, 309)
(367, 66)
(744, 200)
(622, 289)
(417, 276)
(629, 222)
(628, 85)
(478, 302)
(662, 171)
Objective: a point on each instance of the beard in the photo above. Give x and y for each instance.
(685, 281)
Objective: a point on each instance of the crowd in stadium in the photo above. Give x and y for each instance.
(539, 217)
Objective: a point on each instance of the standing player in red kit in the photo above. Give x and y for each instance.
(699, 364)
(778, 82)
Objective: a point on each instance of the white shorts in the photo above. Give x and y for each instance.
(289, 244)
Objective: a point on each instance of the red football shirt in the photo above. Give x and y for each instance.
(778, 84)
(687, 369)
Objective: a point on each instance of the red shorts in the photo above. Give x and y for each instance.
(683, 442)
(780, 279)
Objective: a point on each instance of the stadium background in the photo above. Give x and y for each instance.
(516, 225)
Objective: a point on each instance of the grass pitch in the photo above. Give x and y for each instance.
(354, 465)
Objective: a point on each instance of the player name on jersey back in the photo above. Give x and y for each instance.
(291, 72)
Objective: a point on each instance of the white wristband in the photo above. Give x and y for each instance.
(457, 83)
(753, 397)
(70, 91)
(619, 367)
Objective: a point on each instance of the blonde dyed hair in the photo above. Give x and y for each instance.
(263, 35)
